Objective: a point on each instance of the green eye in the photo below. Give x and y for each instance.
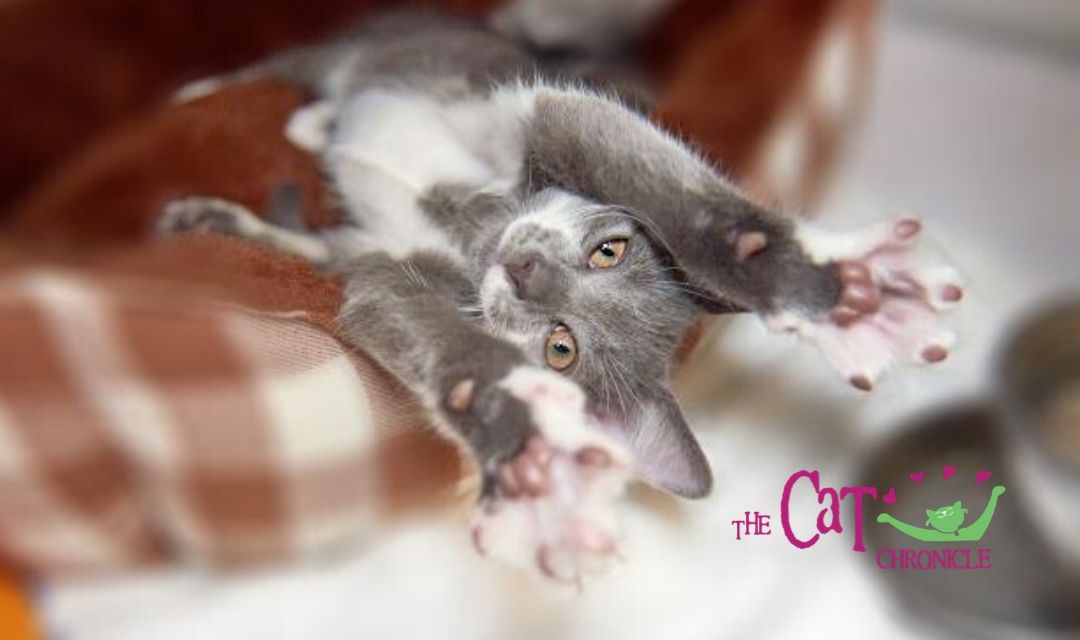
(609, 254)
(561, 349)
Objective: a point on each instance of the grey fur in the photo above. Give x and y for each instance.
(406, 316)
(420, 315)
(590, 147)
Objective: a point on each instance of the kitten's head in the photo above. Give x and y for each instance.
(584, 291)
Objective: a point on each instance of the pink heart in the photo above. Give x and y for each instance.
(890, 497)
(917, 477)
(948, 471)
(982, 475)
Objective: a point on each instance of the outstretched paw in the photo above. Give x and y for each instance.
(889, 306)
(553, 505)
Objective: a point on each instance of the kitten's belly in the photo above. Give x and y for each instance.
(392, 147)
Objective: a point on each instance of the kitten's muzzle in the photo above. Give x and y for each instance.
(532, 276)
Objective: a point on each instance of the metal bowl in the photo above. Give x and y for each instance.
(1038, 379)
(1027, 592)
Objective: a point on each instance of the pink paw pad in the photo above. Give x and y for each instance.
(888, 305)
(859, 294)
(553, 510)
(527, 473)
(748, 244)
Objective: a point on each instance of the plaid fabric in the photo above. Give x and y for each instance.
(136, 425)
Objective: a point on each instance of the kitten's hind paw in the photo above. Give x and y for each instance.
(207, 215)
(889, 306)
(201, 215)
(553, 509)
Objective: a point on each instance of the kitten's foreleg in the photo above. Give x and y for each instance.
(549, 474)
(729, 247)
(861, 297)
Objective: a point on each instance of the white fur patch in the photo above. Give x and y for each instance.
(309, 127)
(495, 294)
(557, 406)
(557, 211)
(823, 245)
(391, 147)
(421, 142)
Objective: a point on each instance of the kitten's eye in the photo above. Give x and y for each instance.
(561, 349)
(608, 254)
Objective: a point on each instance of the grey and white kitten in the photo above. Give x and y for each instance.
(525, 252)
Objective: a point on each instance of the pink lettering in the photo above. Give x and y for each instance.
(859, 492)
(785, 514)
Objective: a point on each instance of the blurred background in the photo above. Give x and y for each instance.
(962, 112)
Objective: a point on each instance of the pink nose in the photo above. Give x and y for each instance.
(532, 275)
(521, 272)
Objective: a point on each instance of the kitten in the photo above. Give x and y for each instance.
(525, 252)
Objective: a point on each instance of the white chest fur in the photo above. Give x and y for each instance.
(391, 147)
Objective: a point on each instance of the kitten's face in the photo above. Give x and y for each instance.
(583, 292)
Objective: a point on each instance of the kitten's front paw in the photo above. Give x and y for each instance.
(889, 303)
(553, 504)
(206, 215)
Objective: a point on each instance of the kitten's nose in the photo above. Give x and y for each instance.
(531, 275)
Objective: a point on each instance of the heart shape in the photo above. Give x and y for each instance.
(917, 477)
(982, 475)
(890, 497)
(948, 471)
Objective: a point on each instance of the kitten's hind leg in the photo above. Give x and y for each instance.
(214, 215)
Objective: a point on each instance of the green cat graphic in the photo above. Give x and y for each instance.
(946, 522)
(947, 519)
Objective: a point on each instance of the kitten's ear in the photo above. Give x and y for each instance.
(957, 505)
(666, 453)
(929, 513)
